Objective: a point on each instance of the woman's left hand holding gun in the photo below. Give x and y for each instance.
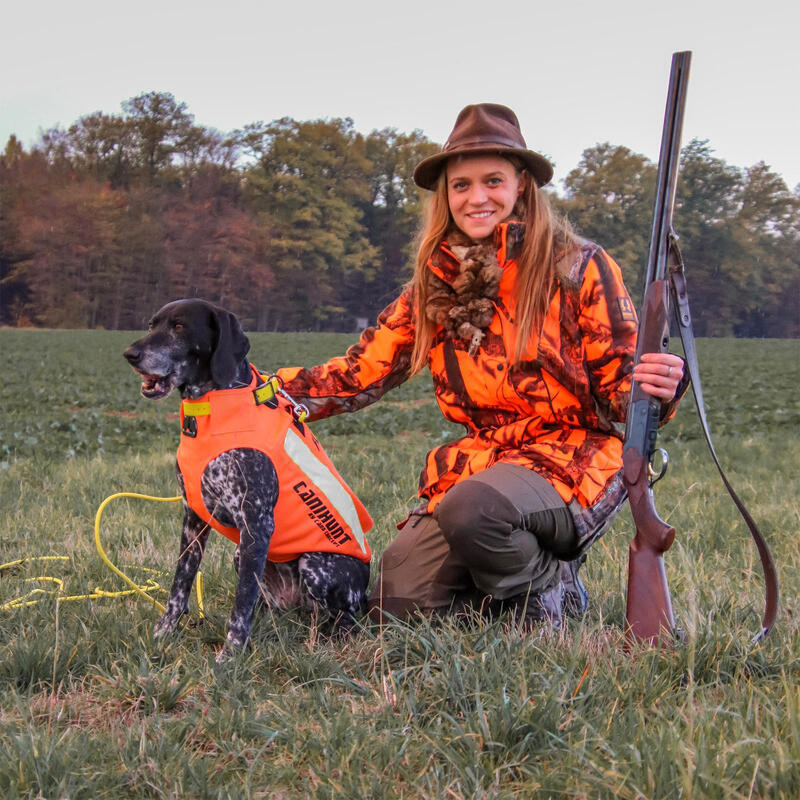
(659, 374)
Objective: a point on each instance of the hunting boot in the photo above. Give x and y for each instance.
(576, 598)
(531, 610)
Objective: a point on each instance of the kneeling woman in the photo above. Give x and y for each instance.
(529, 334)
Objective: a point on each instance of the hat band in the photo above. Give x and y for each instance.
(481, 141)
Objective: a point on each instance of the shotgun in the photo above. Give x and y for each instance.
(649, 606)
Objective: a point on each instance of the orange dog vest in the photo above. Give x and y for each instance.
(316, 510)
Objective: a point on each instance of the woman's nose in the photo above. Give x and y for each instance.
(477, 194)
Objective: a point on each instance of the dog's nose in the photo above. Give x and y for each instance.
(133, 354)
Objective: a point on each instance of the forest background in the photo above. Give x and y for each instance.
(310, 225)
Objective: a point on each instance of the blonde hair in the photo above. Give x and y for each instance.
(548, 238)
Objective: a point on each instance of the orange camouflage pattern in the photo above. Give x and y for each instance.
(561, 411)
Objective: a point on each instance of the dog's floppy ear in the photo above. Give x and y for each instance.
(232, 346)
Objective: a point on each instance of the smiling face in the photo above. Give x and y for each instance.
(481, 193)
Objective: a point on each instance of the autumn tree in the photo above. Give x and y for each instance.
(308, 188)
(394, 209)
(608, 199)
(162, 128)
(71, 270)
(103, 146)
(705, 207)
(215, 248)
(738, 232)
(15, 172)
(766, 261)
(311, 225)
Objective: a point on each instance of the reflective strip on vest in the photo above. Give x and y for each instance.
(300, 453)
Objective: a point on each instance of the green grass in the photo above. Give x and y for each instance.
(92, 707)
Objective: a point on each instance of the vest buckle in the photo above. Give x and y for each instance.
(266, 393)
(189, 427)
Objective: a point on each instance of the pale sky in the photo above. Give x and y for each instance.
(576, 72)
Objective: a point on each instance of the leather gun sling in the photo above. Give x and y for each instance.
(681, 305)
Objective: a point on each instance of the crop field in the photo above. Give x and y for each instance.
(91, 706)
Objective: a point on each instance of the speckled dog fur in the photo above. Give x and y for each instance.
(196, 347)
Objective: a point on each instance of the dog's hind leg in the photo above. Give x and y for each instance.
(193, 543)
(335, 583)
(281, 588)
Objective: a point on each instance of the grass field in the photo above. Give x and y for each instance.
(92, 707)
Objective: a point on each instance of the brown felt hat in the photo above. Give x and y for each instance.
(483, 129)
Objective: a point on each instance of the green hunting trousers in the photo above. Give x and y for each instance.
(498, 534)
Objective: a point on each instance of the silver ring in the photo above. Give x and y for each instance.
(669, 371)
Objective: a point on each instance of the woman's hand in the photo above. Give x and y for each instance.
(659, 374)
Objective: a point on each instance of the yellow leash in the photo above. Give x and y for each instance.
(35, 595)
(134, 587)
(139, 590)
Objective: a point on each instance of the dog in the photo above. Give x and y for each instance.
(243, 490)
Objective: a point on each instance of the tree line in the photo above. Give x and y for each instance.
(310, 225)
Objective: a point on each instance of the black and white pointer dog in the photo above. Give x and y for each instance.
(199, 348)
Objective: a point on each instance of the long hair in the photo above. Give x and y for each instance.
(548, 238)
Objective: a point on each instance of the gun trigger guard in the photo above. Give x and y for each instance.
(654, 475)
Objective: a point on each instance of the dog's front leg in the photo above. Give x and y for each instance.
(253, 547)
(193, 544)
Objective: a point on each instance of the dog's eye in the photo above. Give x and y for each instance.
(177, 327)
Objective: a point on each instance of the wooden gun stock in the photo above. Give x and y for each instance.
(648, 612)
(649, 607)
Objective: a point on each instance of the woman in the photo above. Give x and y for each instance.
(529, 334)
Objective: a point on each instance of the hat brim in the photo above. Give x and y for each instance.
(428, 170)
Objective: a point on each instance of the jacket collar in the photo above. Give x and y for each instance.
(507, 240)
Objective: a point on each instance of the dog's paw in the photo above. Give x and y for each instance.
(165, 625)
(230, 650)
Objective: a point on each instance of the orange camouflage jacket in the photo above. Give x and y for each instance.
(561, 411)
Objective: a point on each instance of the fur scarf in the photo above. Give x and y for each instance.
(463, 305)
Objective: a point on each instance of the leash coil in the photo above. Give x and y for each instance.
(137, 589)
(150, 585)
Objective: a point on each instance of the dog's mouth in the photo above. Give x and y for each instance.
(155, 387)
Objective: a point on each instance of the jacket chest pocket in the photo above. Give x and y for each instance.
(478, 380)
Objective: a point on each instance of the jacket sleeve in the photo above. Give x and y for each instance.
(380, 361)
(608, 325)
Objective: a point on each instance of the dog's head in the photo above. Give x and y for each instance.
(192, 345)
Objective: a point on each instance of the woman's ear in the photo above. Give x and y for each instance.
(524, 177)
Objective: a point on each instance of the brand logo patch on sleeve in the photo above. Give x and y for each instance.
(626, 309)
